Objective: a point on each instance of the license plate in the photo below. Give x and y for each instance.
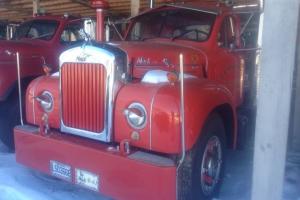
(61, 170)
(87, 179)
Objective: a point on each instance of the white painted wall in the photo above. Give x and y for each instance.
(274, 97)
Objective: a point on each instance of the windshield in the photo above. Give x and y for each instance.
(178, 23)
(36, 29)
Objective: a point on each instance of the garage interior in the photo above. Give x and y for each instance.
(19, 10)
(268, 164)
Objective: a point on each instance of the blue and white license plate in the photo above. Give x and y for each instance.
(61, 170)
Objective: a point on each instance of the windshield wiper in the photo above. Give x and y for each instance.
(188, 31)
(148, 38)
(41, 36)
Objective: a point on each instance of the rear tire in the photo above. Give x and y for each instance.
(208, 159)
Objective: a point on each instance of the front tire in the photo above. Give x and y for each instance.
(208, 159)
(9, 118)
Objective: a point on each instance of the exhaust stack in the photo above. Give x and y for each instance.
(101, 6)
(151, 4)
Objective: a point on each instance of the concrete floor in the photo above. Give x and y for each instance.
(21, 183)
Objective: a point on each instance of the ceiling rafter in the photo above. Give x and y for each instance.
(18, 10)
(82, 2)
(5, 4)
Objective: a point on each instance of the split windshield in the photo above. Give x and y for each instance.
(174, 24)
(36, 29)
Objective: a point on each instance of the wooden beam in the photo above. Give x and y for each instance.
(135, 7)
(25, 7)
(274, 97)
(8, 5)
(35, 7)
(82, 2)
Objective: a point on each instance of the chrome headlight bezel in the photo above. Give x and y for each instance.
(136, 115)
(46, 101)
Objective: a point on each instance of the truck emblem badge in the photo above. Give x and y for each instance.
(143, 61)
(82, 57)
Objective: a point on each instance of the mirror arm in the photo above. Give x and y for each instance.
(246, 24)
(246, 49)
(114, 26)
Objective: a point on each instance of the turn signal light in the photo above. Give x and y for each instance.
(47, 69)
(172, 77)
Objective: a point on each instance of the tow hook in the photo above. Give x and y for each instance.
(44, 125)
(125, 147)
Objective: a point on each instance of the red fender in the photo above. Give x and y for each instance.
(34, 112)
(162, 132)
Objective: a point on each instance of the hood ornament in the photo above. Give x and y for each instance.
(87, 41)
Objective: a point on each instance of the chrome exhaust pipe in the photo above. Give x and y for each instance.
(183, 154)
(19, 87)
(151, 4)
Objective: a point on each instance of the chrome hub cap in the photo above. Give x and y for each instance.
(211, 165)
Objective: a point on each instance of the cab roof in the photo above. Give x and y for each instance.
(217, 8)
(210, 7)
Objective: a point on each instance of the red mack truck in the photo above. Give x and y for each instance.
(38, 41)
(145, 118)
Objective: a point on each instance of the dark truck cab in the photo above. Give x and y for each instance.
(39, 42)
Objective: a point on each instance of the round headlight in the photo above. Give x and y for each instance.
(136, 115)
(46, 101)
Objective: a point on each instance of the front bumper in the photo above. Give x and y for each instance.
(120, 177)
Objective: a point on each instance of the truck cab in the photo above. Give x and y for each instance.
(39, 42)
(149, 117)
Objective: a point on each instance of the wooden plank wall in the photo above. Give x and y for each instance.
(19, 10)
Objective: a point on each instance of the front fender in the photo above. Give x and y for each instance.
(201, 98)
(34, 112)
(162, 101)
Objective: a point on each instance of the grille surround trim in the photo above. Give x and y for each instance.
(93, 55)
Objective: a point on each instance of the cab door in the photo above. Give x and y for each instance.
(230, 66)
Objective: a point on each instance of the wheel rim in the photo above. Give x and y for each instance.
(211, 165)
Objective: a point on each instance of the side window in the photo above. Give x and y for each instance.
(227, 34)
(72, 34)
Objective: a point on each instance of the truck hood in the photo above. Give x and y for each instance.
(163, 55)
(23, 47)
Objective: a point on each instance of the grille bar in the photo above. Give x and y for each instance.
(83, 88)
